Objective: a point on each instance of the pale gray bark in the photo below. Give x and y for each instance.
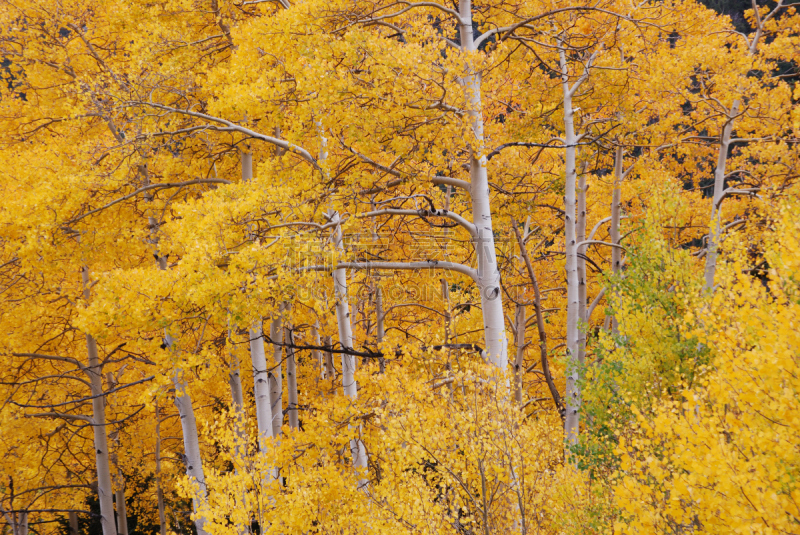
(122, 512)
(573, 400)
(580, 232)
(162, 517)
(102, 455)
(276, 375)
(291, 381)
(488, 274)
(316, 353)
(616, 200)
(519, 339)
(358, 450)
(191, 444)
(330, 369)
(237, 399)
(719, 188)
(183, 401)
(379, 316)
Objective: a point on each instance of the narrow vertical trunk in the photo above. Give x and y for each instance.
(258, 357)
(162, 517)
(316, 353)
(73, 523)
(519, 321)
(237, 399)
(719, 188)
(291, 381)
(616, 201)
(488, 276)
(122, 511)
(102, 457)
(573, 400)
(357, 448)
(261, 385)
(539, 321)
(191, 444)
(276, 376)
(580, 232)
(330, 369)
(183, 401)
(380, 325)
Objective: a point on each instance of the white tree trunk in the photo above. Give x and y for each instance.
(719, 188)
(573, 400)
(379, 313)
(580, 232)
(191, 444)
(616, 200)
(122, 512)
(104, 489)
(261, 385)
(488, 278)
(183, 402)
(291, 381)
(162, 517)
(357, 448)
(276, 376)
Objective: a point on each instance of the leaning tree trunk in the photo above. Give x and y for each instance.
(183, 401)
(719, 188)
(357, 448)
(105, 493)
(191, 444)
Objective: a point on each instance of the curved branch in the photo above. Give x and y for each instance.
(231, 126)
(164, 185)
(425, 213)
(426, 264)
(598, 242)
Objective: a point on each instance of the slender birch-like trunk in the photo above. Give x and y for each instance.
(191, 444)
(276, 375)
(379, 316)
(162, 517)
(580, 236)
(616, 201)
(102, 455)
(183, 401)
(122, 511)
(291, 381)
(316, 354)
(357, 448)
(237, 399)
(330, 369)
(519, 339)
(573, 401)
(488, 275)
(719, 188)
(258, 358)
